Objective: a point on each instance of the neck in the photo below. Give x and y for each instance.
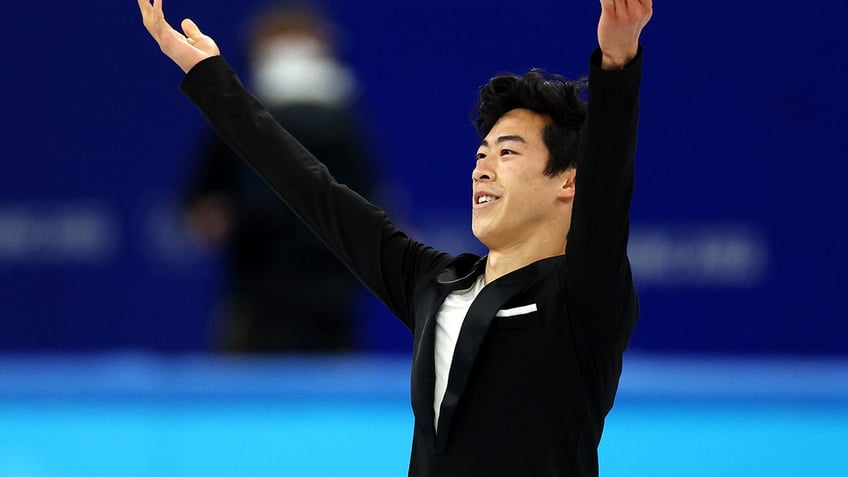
(504, 261)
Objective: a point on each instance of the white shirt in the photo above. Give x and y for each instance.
(448, 323)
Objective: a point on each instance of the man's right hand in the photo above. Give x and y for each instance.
(619, 29)
(186, 49)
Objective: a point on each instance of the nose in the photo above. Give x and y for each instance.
(482, 172)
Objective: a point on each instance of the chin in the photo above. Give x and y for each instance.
(481, 234)
(478, 230)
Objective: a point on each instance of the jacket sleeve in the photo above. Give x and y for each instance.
(601, 296)
(386, 261)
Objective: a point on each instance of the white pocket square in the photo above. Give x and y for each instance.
(521, 310)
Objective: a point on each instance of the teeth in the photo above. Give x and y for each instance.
(485, 198)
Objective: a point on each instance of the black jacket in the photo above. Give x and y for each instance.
(527, 395)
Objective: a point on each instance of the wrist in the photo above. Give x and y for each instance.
(617, 61)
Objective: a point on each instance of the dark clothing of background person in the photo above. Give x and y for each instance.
(284, 290)
(527, 395)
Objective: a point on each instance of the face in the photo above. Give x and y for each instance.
(514, 202)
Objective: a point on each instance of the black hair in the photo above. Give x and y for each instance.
(543, 93)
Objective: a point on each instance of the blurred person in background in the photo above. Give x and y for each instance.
(285, 292)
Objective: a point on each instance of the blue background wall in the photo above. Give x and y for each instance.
(737, 220)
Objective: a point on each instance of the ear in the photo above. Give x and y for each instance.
(567, 179)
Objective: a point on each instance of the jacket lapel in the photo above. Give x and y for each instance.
(423, 352)
(423, 366)
(474, 328)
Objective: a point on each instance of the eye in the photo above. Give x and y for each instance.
(506, 152)
(481, 155)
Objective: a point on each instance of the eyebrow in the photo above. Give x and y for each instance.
(503, 139)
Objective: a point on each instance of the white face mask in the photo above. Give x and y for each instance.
(300, 70)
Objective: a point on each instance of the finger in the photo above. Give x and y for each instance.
(146, 10)
(190, 29)
(153, 17)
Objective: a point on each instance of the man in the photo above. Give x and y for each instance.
(516, 355)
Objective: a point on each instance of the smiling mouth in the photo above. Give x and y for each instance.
(483, 199)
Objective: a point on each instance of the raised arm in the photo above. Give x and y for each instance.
(601, 294)
(382, 257)
(186, 49)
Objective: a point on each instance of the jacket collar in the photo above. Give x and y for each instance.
(459, 275)
(462, 272)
